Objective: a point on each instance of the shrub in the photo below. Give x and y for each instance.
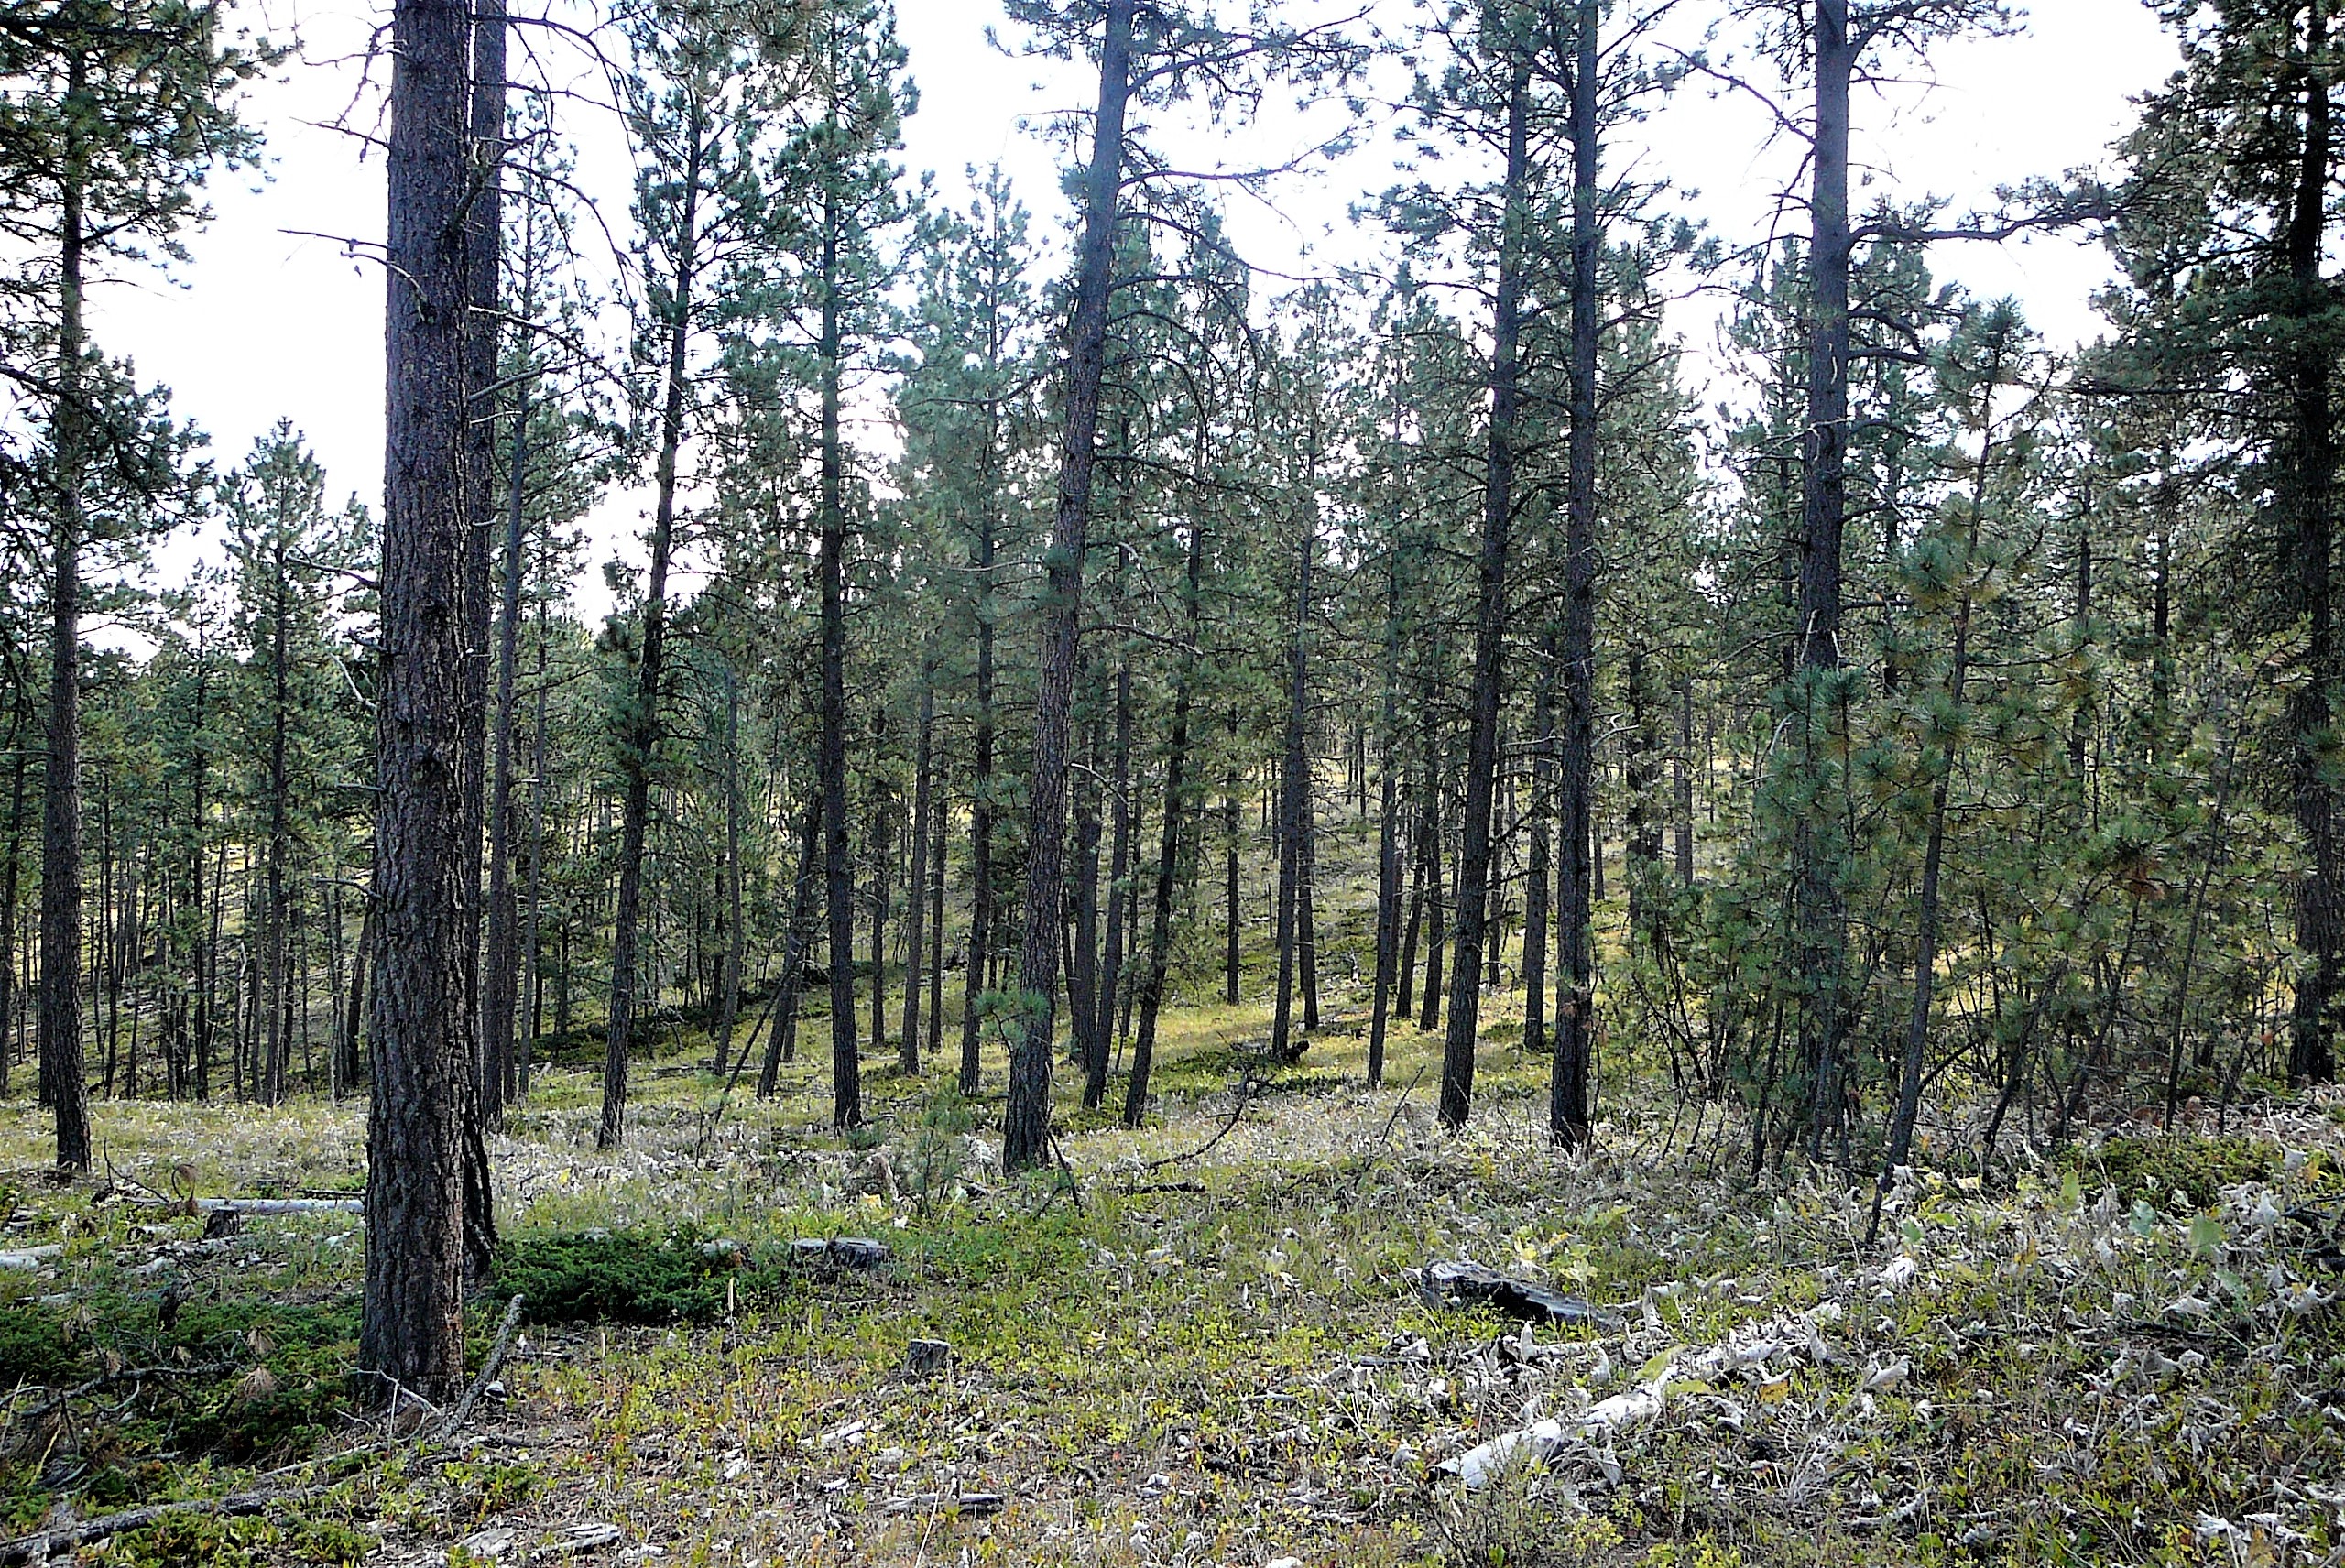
(643, 1277)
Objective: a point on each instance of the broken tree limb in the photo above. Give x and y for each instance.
(464, 1410)
(1466, 1283)
(1245, 1089)
(43, 1544)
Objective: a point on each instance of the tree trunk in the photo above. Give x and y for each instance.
(640, 736)
(1474, 856)
(882, 884)
(484, 243)
(1405, 1003)
(981, 785)
(917, 894)
(1388, 838)
(9, 875)
(936, 939)
(353, 1070)
(1306, 915)
(280, 1008)
(1084, 1021)
(60, 878)
(1925, 939)
(412, 1335)
(534, 990)
(781, 1032)
(736, 933)
(1819, 906)
(503, 990)
(2312, 702)
(1682, 778)
(1151, 990)
(1295, 798)
(1436, 913)
(1119, 878)
(1027, 1122)
(1230, 912)
(1568, 1118)
(1542, 838)
(838, 869)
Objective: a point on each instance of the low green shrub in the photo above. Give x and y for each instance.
(642, 1277)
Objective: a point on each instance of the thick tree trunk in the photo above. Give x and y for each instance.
(2312, 703)
(1027, 1122)
(1568, 1110)
(412, 1335)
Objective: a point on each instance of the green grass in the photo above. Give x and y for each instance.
(1206, 1354)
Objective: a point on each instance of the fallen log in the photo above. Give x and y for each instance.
(1464, 1283)
(43, 1544)
(263, 1207)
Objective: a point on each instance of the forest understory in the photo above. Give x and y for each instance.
(1204, 1342)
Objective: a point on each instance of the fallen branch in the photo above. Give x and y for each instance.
(265, 1206)
(1244, 1096)
(464, 1410)
(41, 1545)
(44, 1544)
(128, 1375)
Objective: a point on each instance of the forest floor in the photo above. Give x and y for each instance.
(1201, 1342)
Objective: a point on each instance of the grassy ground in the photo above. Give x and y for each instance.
(1200, 1343)
(1218, 1359)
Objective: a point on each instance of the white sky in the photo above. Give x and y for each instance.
(265, 322)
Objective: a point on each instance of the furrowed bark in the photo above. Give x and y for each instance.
(411, 1332)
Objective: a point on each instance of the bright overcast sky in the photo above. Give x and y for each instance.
(266, 322)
